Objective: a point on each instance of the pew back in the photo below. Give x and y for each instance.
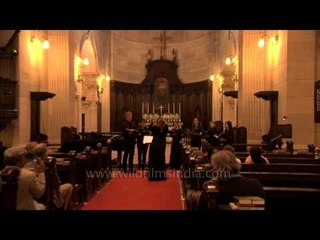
(9, 187)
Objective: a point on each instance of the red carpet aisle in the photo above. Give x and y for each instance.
(135, 192)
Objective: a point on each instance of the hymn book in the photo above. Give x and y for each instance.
(249, 201)
(147, 139)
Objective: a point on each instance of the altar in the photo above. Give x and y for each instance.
(162, 94)
(162, 112)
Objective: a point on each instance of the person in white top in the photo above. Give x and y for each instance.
(30, 187)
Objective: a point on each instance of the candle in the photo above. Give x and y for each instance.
(168, 108)
(148, 107)
(153, 107)
(174, 108)
(179, 108)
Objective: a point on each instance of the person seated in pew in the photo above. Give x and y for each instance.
(63, 191)
(30, 187)
(256, 156)
(207, 149)
(229, 181)
(231, 149)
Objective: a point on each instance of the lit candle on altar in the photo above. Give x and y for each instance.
(168, 108)
(179, 108)
(174, 108)
(153, 107)
(142, 108)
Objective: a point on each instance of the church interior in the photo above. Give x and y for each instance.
(71, 90)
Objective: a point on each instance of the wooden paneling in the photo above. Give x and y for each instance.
(8, 110)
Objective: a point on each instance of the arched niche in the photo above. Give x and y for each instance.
(87, 79)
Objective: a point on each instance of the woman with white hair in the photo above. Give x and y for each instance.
(230, 183)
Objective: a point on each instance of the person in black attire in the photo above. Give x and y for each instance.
(213, 135)
(157, 160)
(142, 148)
(129, 132)
(228, 135)
(176, 134)
(230, 182)
(196, 133)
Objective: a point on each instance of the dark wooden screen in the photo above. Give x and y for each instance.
(195, 99)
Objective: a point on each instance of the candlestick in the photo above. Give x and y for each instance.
(153, 107)
(148, 109)
(179, 108)
(174, 108)
(168, 108)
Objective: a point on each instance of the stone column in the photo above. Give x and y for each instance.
(228, 102)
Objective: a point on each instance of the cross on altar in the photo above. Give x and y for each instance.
(161, 108)
(163, 39)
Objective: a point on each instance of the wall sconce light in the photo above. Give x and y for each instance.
(43, 41)
(85, 61)
(284, 118)
(262, 39)
(231, 49)
(100, 79)
(45, 44)
(212, 77)
(228, 60)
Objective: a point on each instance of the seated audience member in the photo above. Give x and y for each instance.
(206, 152)
(30, 187)
(230, 182)
(63, 190)
(2, 149)
(256, 156)
(265, 143)
(228, 147)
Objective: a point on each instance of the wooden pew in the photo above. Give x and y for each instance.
(292, 198)
(290, 160)
(285, 179)
(281, 167)
(279, 155)
(67, 171)
(50, 175)
(9, 188)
